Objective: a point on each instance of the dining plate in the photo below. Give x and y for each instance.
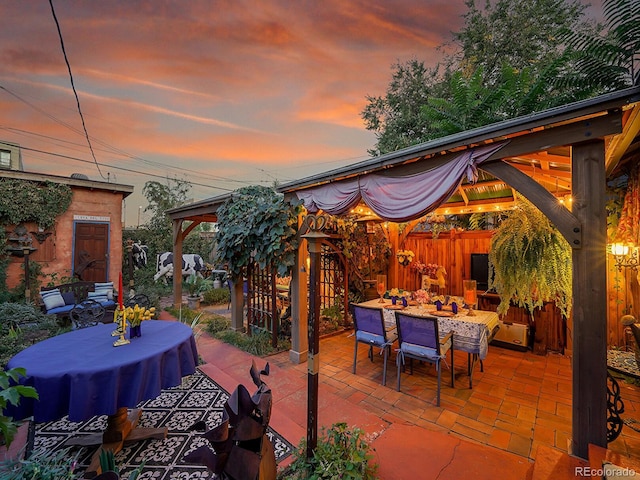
(441, 313)
(394, 307)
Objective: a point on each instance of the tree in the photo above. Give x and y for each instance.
(507, 54)
(609, 59)
(395, 118)
(520, 33)
(162, 197)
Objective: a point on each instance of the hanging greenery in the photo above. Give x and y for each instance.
(530, 261)
(24, 201)
(257, 224)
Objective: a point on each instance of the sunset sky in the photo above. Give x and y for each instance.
(223, 94)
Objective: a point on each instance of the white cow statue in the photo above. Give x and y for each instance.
(139, 252)
(191, 264)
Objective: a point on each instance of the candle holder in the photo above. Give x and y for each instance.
(381, 286)
(120, 318)
(470, 295)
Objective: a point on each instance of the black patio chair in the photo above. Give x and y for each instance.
(87, 313)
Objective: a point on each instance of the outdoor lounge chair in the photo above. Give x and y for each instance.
(370, 330)
(419, 338)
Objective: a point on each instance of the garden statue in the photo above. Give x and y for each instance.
(241, 448)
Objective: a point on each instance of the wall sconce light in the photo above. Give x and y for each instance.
(625, 256)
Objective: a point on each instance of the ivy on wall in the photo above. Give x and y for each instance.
(24, 201)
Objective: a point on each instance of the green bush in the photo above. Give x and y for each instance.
(22, 325)
(258, 344)
(340, 453)
(216, 296)
(43, 464)
(21, 314)
(217, 324)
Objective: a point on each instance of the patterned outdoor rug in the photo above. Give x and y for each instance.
(178, 408)
(623, 362)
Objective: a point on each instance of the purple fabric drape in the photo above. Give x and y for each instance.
(398, 199)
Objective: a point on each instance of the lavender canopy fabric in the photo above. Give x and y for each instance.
(398, 199)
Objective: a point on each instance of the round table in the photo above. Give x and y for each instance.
(81, 374)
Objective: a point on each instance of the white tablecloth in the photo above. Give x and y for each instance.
(470, 334)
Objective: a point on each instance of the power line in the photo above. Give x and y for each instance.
(111, 149)
(73, 87)
(68, 157)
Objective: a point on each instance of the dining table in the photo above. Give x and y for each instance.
(471, 333)
(82, 374)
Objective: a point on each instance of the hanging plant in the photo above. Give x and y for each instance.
(257, 224)
(530, 261)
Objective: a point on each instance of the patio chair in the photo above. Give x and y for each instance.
(418, 338)
(370, 329)
(86, 314)
(139, 299)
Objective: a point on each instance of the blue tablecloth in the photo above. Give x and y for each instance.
(81, 373)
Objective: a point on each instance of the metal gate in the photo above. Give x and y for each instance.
(334, 280)
(262, 308)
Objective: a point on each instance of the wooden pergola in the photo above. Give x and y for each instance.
(565, 150)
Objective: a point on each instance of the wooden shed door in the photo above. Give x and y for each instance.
(91, 252)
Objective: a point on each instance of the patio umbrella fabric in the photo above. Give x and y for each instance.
(401, 198)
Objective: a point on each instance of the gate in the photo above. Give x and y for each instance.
(262, 308)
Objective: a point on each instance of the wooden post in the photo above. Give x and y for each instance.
(314, 242)
(177, 263)
(589, 299)
(298, 293)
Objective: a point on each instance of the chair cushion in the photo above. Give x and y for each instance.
(419, 351)
(371, 338)
(69, 298)
(62, 309)
(52, 299)
(104, 287)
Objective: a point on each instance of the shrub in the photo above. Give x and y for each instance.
(13, 315)
(340, 453)
(217, 324)
(43, 464)
(10, 393)
(258, 344)
(216, 296)
(22, 325)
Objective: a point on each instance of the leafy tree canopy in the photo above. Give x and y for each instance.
(162, 197)
(513, 57)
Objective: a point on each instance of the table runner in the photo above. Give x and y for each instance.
(470, 333)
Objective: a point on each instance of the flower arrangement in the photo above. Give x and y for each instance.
(406, 294)
(394, 292)
(438, 298)
(428, 269)
(405, 257)
(421, 296)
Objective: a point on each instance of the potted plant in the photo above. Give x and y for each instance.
(530, 261)
(196, 286)
(10, 393)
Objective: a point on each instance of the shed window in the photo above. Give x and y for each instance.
(5, 158)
